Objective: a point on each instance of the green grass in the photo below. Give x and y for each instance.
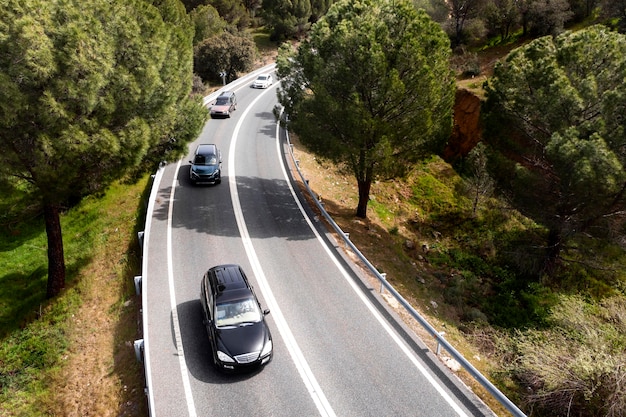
(261, 38)
(34, 330)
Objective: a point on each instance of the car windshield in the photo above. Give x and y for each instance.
(237, 312)
(262, 78)
(221, 101)
(205, 160)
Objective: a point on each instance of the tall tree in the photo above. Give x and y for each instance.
(461, 11)
(501, 17)
(617, 9)
(286, 18)
(319, 9)
(555, 121)
(226, 52)
(232, 11)
(207, 22)
(548, 17)
(371, 89)
(438, 10)
(86, 89)
(583, 8)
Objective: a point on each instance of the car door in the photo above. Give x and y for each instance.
(207, 306)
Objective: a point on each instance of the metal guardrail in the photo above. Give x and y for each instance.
(441, 341)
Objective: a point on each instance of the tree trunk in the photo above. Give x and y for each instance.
(56, 258)
(364, 197)
(555, 244)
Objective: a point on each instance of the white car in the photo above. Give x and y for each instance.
(262, 81)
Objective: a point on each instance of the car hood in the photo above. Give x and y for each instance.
(204, 169)
(244, 338)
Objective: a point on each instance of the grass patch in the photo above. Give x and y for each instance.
(39, 336)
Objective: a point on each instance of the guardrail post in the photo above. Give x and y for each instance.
(140, 238)
(384, 275)
(442, 334)
(138, 345)
(137, 281)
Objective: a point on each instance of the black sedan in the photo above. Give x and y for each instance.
(234, 319)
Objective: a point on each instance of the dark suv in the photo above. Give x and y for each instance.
(206, 166)
(234, 320)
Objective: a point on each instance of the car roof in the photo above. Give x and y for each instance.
(227, 278)
(206, 149)
(226, 94)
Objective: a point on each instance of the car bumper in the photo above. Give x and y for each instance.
(205, 180)
(243, 367)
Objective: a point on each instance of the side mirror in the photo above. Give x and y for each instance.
(266, 311)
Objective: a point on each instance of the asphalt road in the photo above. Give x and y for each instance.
(337, 350)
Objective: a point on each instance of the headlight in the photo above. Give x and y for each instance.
(224, 357)
(267, 349)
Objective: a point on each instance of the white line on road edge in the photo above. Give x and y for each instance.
(170, 278)
(365, 301)
(297, 356)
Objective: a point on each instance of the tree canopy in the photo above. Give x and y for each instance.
(228, 52)
(371, 89)
(287, 18)
(555, 121)
(88, 90)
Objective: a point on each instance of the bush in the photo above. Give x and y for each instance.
(578, 365)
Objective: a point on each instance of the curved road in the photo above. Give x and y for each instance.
(337, 350)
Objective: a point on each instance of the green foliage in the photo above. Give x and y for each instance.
(228, 52)
(371, 89)
(481, 290)
(232, 11)
(89, 85)
(577, 363)
(287, 19)
(501, 18)
(88, 91)
(554, 123)
(548, 17)
(33, 330)
(207, 22)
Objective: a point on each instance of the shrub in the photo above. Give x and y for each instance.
(578, 365)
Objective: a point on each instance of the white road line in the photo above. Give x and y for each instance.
(191, 408)
(408, 352)
(297, 356)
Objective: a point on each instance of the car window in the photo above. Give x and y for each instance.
(221, 101)
(205, 160)
(234, 313)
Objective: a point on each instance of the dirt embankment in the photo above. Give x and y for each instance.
(466, 131)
